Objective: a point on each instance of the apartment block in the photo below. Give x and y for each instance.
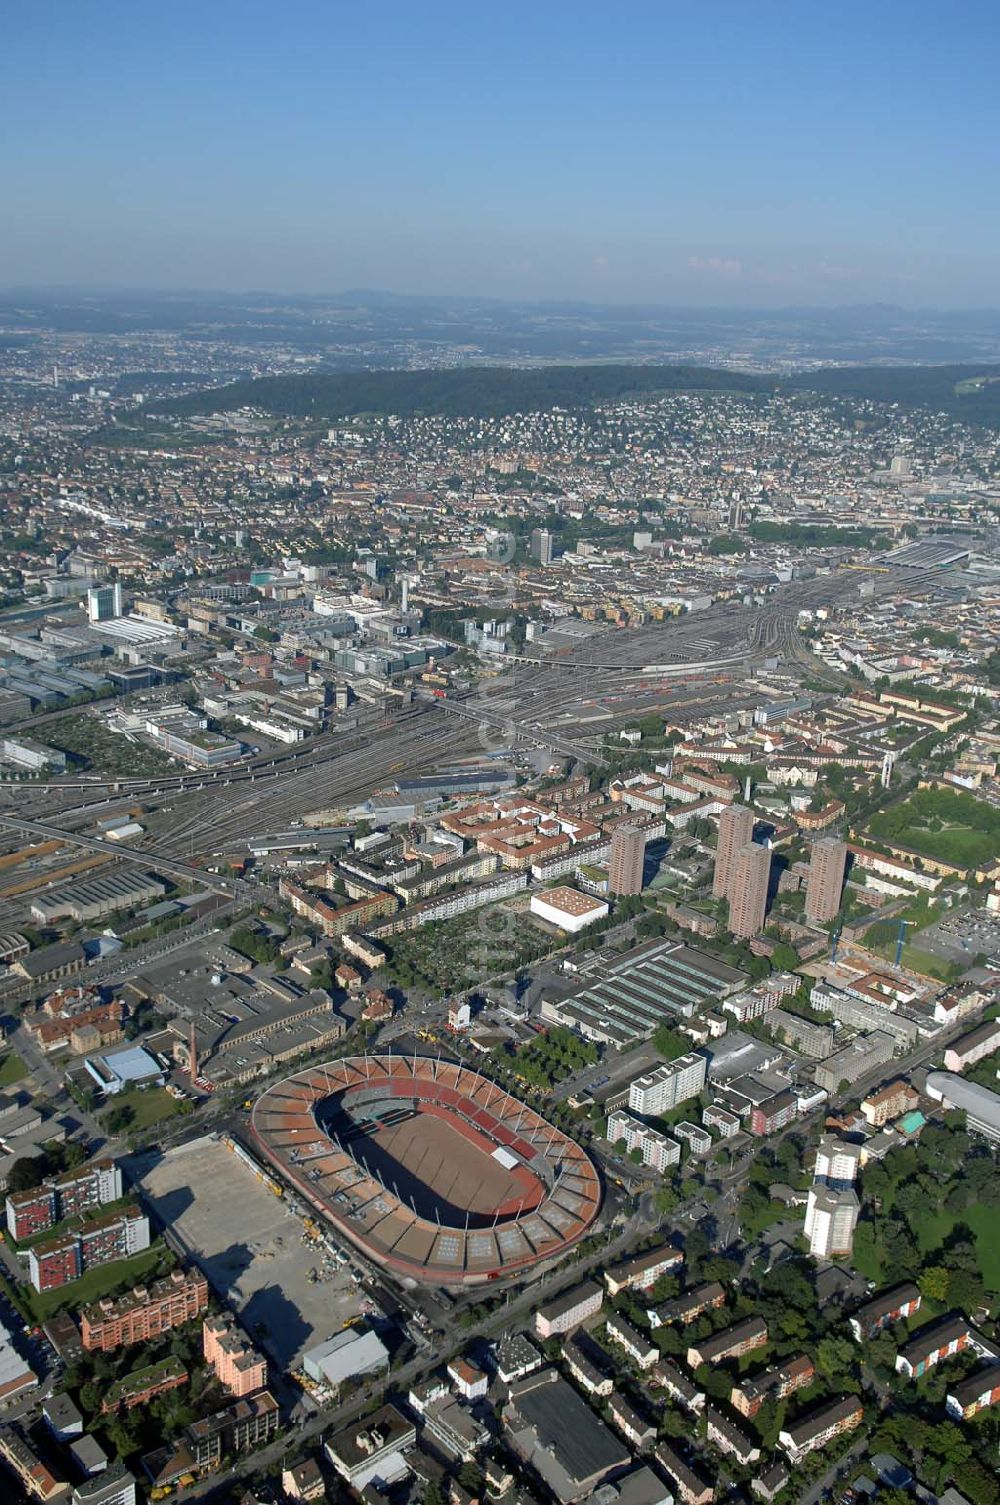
(732, 1343)
(725, 1124)
(894, 1305)
(775, 1383)
(689, 1486)
(21, 1457)
(813, 1039)
(92, 1185)
(635, 1428)
(749, 882)
(831, 1218)
(863, 1055)
(636, 1344)
(973, 1047)
(246, 1424)
(889, 1103)
(237, 1364)
(735, 832)
(659, 1151)
(827, 865)
(865, 1014)
(626, 860)
(820, 1427)
(361, 1450)
(689, 1307)
(678, 1385)
(589, 1375)
(144, 1312)
(729, 1438)
(666, 1086)
(116, 1235)
(698, 1140)
(773, 1114)
(837, 1162)
(942, 1340)
(114, 1486)
(568, 1310)
(977, 1392)
(643, 1271)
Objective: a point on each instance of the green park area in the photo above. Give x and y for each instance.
(448, 955)
(946, 824)
(89, 744)
(932, 1214)
(12, 1070)
(140, 1109)
(549, 1058)
(104, 1280)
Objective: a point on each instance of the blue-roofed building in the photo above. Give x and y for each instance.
(118, 1070)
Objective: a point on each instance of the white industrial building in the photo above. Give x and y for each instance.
(567, 908)
(980, 1106)
(346, 1355)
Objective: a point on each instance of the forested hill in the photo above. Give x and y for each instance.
(463, 392)
(969, 393)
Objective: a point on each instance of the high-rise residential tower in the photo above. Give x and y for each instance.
(735, 831)
(626, 861)
(827, 865)
(749, 879)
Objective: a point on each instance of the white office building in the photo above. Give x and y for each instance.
(104, 603)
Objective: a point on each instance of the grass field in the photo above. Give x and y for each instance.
(96, 1283)
(882, 940)
(12, 1069)
(149, 1106)
(985, 1224)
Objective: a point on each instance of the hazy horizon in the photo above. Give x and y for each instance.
(765, 157)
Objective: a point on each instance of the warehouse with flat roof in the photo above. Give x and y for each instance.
(98, 897)
(656, 984)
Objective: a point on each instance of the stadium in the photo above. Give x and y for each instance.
(435, 1173)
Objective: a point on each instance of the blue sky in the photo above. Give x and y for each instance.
(744, 152)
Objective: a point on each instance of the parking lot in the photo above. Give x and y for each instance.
(287, 1289)
(961, 937)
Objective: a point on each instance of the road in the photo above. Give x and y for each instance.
(815, 1492)
(332, 1418)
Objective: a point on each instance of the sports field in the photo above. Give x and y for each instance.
(445, 1170)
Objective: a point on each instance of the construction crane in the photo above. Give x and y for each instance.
(901, 940)
(836, 941)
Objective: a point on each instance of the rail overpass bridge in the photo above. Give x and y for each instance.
(147, 857)
(475, 710)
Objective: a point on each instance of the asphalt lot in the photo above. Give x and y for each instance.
(960, 937)
(250, 1245)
